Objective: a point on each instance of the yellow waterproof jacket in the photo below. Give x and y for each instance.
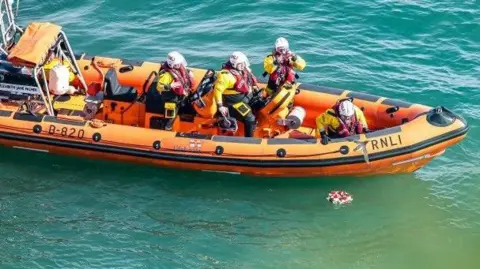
(270, 67)
(165, 78)
(329, 121)
(224, 84)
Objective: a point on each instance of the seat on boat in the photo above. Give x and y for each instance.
(117, 92)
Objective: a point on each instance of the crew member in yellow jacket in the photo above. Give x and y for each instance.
(343, 120)
(280, 66)
(233, 86)
(174, 84)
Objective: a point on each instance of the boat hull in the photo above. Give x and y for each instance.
(398, 165)
(407, 135)
(37, 134)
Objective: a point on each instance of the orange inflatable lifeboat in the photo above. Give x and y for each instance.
(127, 126)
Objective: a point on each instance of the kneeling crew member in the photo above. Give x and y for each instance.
(343, 120)
(232, 88)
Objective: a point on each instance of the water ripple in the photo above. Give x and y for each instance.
(70, 213)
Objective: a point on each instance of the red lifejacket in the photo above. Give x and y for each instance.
(284, 73)
(181, 76)
(243, 82)
(355, 127)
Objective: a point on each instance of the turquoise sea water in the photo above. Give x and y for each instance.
(58, 212)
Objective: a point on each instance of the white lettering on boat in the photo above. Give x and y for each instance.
(14, 88)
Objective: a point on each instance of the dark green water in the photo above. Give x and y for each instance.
(58, 212)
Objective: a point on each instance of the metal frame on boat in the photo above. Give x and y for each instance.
(22, 57)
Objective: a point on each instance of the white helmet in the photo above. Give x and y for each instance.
(175, 60)
(239, 61)
(281, 45)
(346, 109)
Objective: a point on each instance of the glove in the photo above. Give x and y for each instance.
(294, 57)
(324, 138)
(223, 110)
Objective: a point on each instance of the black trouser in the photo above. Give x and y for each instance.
(272, 85)
(238, 107)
